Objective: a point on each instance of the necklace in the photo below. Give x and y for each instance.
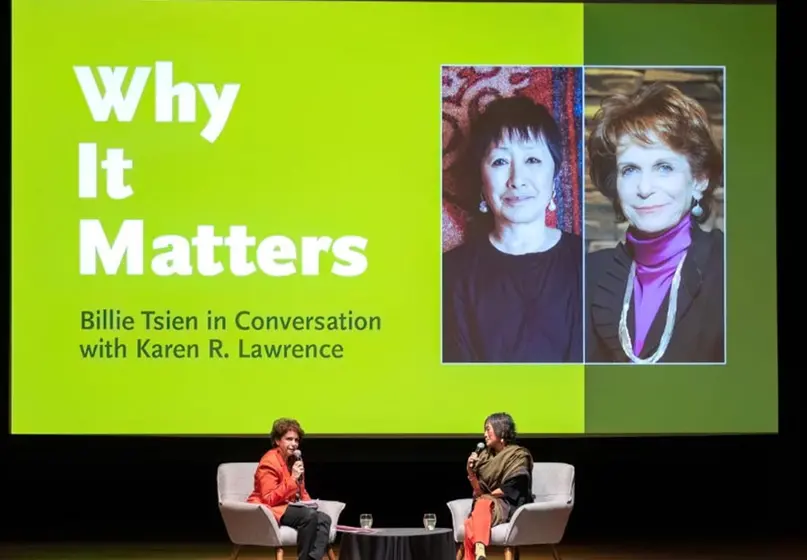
(624, 335)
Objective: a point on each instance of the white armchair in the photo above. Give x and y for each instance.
(253, 524)
(542, 522)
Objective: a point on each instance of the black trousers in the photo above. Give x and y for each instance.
(313, 529)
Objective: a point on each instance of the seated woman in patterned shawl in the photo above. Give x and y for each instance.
(501, 478)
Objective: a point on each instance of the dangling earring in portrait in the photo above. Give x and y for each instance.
(552, 207)
(697, 211)
(483, 206)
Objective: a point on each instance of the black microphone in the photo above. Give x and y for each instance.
(299, 456)
(479, 447)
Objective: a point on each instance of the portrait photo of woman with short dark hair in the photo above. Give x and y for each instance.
(513, 285)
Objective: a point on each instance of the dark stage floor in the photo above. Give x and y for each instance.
(672, 551)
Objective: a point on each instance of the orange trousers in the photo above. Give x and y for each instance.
(477, 527)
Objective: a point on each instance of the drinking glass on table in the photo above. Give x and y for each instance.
(430, 521)
(365, 521)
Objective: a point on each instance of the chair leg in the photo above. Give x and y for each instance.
(508, 553)
(331, 554)
(236, 550)
(555, 554)
(278, 554)
(460, 551)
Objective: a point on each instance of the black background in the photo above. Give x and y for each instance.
(670, 488)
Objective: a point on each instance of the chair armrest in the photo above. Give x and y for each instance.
(460, 510)
(249, 524)
(334, 510)
(539, 523)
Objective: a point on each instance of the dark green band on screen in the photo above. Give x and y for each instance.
(740, 396)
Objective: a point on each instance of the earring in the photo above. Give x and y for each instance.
(483, 207)
(697, 211)
(555, 190)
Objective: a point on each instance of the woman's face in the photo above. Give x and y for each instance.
(654, 184)
(517, 179)
(491, 439)
(288, 443)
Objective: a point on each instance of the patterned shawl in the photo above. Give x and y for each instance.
(494, 470)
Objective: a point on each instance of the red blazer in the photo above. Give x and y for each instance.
(274, 485)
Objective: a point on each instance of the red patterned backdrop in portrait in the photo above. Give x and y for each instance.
(466, 91)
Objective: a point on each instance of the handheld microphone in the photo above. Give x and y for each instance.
(299, 456)
(479, 447)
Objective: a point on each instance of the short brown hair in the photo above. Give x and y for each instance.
(282, 426)
(678, 120)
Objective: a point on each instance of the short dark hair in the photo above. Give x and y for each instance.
(519, 117)
(503, 426)
(282, 426)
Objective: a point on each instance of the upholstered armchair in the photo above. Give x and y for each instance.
(253, 524)
(542, 522)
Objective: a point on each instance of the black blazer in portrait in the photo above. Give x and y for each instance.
(699, 332)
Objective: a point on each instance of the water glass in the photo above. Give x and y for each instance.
(430, 521)
(365, 521)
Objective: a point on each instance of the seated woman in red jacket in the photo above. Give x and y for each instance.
(279, 482)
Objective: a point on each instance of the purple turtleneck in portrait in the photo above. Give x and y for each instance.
(656, 259)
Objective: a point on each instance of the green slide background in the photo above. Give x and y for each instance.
(311, 147)
(336, 131)
(742, 395)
